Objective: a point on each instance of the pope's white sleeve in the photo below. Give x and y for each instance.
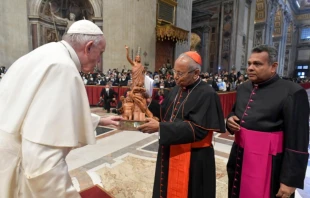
(95, 120)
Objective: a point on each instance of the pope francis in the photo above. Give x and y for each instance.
(44, 113)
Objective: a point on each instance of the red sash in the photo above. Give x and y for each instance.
(179, 164)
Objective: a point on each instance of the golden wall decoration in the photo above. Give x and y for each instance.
(260, 15)
(289, 34)
(171, 32)
(195, 41)
(303, 17)
(278, 23)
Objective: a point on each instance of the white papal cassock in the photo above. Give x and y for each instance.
(44, 113)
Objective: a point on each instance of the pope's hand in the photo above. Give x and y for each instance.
(112, 120)
(151, 126)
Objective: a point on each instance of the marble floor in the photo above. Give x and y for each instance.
(123, 163)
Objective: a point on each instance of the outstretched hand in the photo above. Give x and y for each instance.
(112, 120)
(151, 126)
(126, 47)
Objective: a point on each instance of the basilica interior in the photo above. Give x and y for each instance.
(223, 32)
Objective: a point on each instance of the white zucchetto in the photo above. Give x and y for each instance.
(84, 27)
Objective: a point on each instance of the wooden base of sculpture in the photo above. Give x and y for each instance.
(134, 109)
(130, 125)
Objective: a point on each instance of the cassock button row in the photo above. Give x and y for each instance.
(251, 100)
(249, 107)
(242, 121)
(245, 114)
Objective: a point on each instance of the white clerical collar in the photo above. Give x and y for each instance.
(72, 54)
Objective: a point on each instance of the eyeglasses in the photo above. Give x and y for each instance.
(180, 74)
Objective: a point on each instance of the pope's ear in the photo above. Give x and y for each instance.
(88, 46)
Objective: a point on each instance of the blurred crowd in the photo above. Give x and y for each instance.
(222, 81)
(2, 72)
(115, 77)
(163, 78)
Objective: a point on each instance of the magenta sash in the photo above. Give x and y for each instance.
(259, 147)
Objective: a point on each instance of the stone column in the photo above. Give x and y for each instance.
(282, 49)
(271, 12)
(227, 42)
(244, 34)
(205, 48)
(251, 26)
(293, 52)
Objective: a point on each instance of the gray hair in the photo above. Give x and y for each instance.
(272, 52)
(192, 64)
(82, 39)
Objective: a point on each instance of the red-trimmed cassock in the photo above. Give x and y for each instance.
(185, 163)
(272, 145)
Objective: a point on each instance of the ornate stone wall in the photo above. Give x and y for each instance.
(14, 31)
(131, 23)
(123, 22)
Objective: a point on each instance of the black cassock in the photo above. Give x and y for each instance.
(187, 115)
(268, 107)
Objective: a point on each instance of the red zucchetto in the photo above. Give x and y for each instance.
(195, 56)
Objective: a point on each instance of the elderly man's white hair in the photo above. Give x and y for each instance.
(192, 64)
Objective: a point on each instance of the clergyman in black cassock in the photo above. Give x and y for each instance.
(189, 115)
(270, 120)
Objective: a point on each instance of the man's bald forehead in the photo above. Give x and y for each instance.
(183, 58)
